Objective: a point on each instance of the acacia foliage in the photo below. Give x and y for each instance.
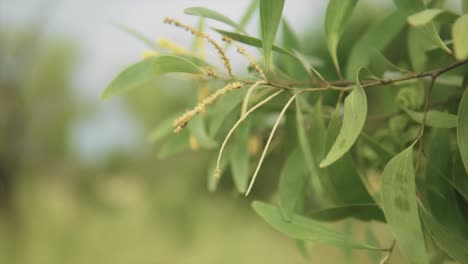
(386, 141)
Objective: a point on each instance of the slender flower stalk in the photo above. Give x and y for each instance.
(273, 130)
(217, 173)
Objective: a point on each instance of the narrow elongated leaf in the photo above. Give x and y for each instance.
(223, 107)
(460, 37)
(270, 17)
(336, 17)
(465, 6)
(170, 64)
(435, 191)
(292, 181)
(384, 154)
(145, 71)
(197, 128)
(343, 178)
(163, 130)
(355, 109)
(252, 41)
(376, 38)
(408, 8)
(211, 14)
(304, 143)
(360, 211)
(291, 66)
(133, 76)
(460, 177)
(462, 129)
(429, 15)
(434, 118)
(248, 13)
(371, 238)
(304, 228)
(451, 242)
(174, 145)
(400, 206)
(256, 42)
(240, 157)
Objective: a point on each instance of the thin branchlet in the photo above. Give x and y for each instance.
(183, 120)
(217, 173)
(216, 45)
(272, 133)
(249, 57)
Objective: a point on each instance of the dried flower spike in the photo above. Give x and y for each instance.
(183, 120)
(222, 53)
(249, 57)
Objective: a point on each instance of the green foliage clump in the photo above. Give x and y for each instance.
(385, 141)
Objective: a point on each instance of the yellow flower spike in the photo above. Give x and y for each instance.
(193, 143)
(171, 46)
(183, 120)
(216, 45)
(149, 54)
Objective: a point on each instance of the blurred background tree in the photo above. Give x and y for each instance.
(80, 184)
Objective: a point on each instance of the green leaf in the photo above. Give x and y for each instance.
(451, 242)
(429, 15)
(252, 41)
(304, 143)
(137, 35)
(462, 129)
(355, 113)
(304, 228)
(343, 180)
(400, 207)
(384, 154)
(132, 77)
(460, 37)
(211, 14)
(248, 13)
(336, 17)
(222, 108)
(376, 38)
(292, 181)
(145, 71)
(434, 118)
(460, 177)
(163, 130)
(270, 17)
(361, 211)
(240, 157)
(371, 238)
(435, 190)
(174, 145)
(465, 6)
(197, 128)
(169, 64)
(408, 8)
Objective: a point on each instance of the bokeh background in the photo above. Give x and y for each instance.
(80, 182)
